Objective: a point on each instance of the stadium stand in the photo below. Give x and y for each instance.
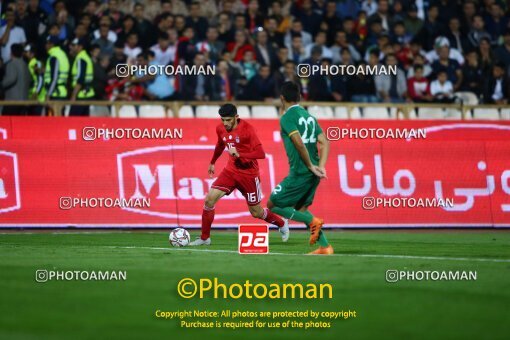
(254, 46)
(321, 112)
(243, 111)
(207, 111)
(264, 112)
(152, 111)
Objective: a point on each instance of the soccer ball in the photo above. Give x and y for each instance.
(179, 237)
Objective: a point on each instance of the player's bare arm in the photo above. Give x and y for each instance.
(303, 153)
(323, 152)
(210, 171)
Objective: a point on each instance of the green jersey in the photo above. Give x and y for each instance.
(297, 120)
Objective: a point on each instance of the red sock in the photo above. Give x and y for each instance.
(207, 220)
(272, 218)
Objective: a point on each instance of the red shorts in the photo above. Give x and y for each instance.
(248, 185)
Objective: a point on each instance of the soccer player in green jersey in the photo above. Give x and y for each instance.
(301, 133)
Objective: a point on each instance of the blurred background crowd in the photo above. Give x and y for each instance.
(441, 47)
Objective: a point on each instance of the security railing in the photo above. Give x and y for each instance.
(349, 110)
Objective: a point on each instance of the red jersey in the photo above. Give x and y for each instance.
(244, 138)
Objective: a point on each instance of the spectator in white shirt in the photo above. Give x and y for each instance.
(419, 60)
(320, 42)
(497, 87)
(441, 89)
(439, 43)
(164, 53)
(297, 29)
(131, 48)
(106, 22)
(10, 34)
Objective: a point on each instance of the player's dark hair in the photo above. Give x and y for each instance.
(227, 110)
(290, 92)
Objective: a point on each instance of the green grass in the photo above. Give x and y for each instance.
(125, 309)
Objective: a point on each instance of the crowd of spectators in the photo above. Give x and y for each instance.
(441, 47)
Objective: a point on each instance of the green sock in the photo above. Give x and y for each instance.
(323, 241)
(293, 214)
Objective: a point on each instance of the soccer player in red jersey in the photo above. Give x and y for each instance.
(241, 172)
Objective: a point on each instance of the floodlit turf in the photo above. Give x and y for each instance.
(125, 309)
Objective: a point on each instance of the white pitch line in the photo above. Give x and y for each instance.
(176, 249)
(332, 255)
(101, 232)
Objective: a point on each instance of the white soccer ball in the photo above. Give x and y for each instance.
(179, 237)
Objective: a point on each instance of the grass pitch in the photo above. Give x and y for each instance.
(126, 309)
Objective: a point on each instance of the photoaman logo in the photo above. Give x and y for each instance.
(253, 239)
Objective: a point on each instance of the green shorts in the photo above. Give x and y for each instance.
(295, 191)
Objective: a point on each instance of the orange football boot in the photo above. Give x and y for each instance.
(322, 251)
(315, 227)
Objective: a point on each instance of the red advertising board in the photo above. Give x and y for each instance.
(44, 159)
